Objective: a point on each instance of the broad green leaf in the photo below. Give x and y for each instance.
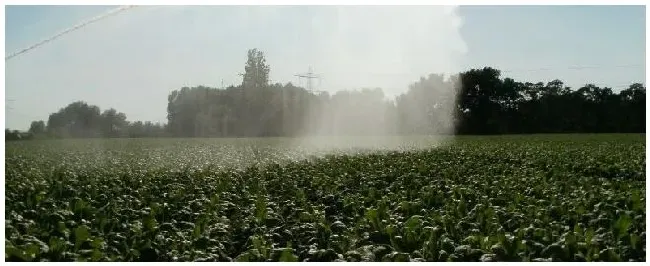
(81, 234)
(288, 256)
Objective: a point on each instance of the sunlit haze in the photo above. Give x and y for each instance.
(133, 60)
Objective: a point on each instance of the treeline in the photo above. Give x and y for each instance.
(478, 101)
(81, 120)
(489, 104)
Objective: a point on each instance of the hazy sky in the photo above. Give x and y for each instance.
(133, 60)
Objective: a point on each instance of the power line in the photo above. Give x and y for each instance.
(578, 68)
(11, 110)
(66, 31)
(572, 68)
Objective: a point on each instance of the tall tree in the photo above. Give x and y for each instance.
(256, 71)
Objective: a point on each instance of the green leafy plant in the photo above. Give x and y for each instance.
(519, 198)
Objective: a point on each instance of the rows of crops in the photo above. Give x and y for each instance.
(545, 198)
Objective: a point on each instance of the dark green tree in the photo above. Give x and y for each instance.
(37, 127)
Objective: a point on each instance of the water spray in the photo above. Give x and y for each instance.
(71, 29)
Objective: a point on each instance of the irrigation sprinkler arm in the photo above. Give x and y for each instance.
(66, 31)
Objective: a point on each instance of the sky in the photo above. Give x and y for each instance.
(133, 60)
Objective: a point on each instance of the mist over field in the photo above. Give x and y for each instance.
(348, 48)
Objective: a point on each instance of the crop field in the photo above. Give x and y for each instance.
(501, 198)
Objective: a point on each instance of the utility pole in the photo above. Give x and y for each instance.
(309, 76)
(241, 75)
